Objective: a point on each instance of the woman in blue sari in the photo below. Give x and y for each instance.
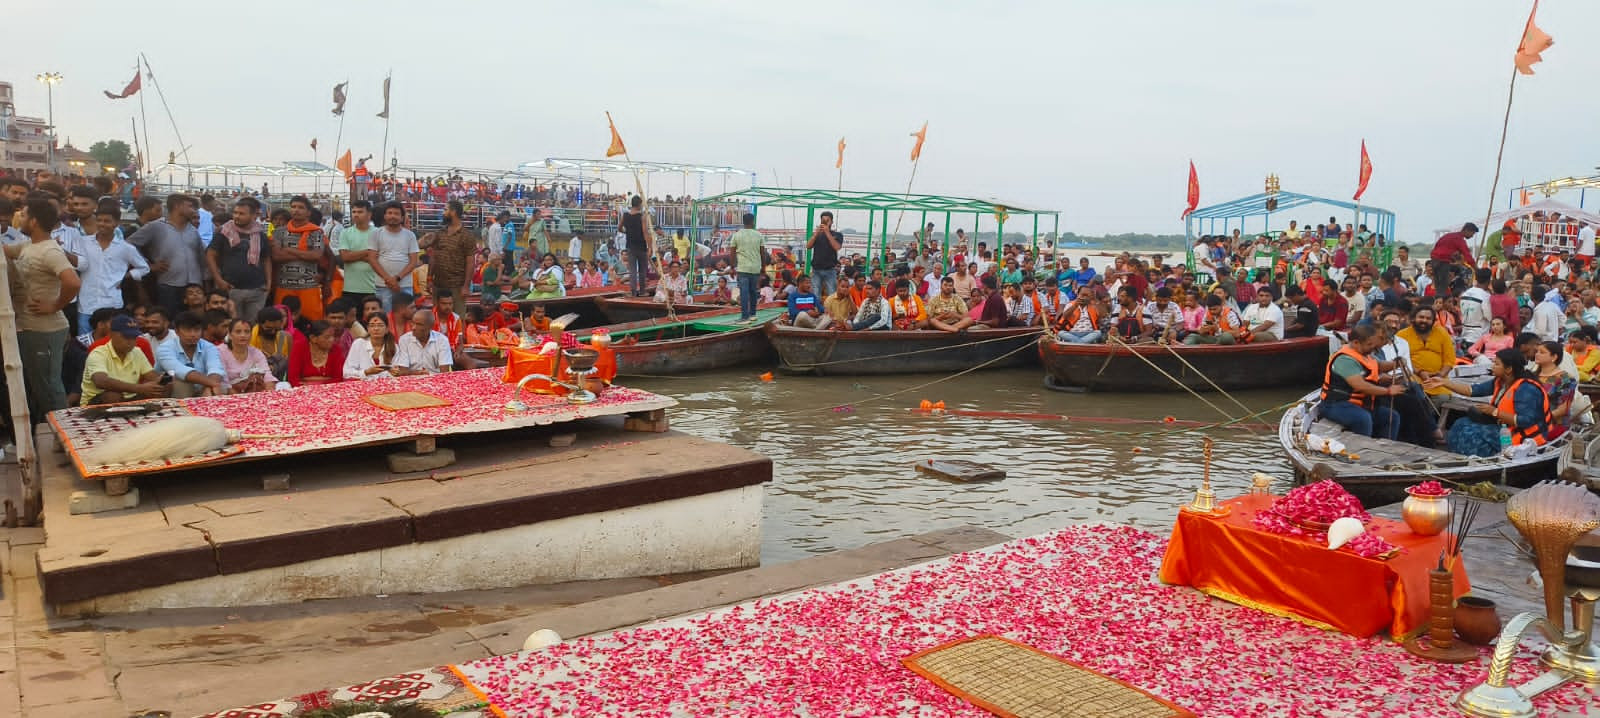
(1517, 402)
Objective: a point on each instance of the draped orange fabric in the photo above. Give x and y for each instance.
(1293, 577)
(522, 362)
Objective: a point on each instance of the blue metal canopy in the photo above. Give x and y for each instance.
(1204, 220)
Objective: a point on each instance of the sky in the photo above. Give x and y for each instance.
(1090, 108)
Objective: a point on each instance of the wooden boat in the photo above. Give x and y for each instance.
(1384, 469)
(847, 353)
(623, 309)
(702, 342)
(661, 346)
(1113, 367)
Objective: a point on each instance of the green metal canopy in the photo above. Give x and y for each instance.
(874, 203)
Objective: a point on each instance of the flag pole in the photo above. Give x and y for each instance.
(1494, 187)
(384, 157)
(184, 148)
(337, 138)
(143, 118)
(886, 246)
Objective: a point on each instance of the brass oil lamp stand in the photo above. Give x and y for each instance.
(1552, 516)
(1205, 500)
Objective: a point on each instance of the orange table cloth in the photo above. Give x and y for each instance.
(1294, 577)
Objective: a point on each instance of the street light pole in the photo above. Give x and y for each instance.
(50, 80)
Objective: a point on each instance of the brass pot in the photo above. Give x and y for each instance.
(1426, 515)
(1477, 621)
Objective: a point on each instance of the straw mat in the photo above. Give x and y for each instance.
(1014, 680)
(404, 400)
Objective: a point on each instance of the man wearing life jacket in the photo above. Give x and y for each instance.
(1222, 325)
(1081, 323)
(1353, 381)
(1517, 403)
(1127, 317)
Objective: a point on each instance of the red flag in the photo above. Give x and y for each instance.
(133, 87)
(922, 136)
(1366, 172)
(616, 148)
(1534, 41)
(1194, 190)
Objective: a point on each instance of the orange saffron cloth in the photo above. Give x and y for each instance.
(1302, 580)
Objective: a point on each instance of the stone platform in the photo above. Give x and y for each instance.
(511, 511)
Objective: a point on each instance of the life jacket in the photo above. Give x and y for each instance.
(1130, 325)
(905, 314)
(1505, 399)
(1335, 388)
(450, 326)
(1070, 319)
(1239, 330)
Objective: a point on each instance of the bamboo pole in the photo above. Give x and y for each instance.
(21, 422)
(1505, 124)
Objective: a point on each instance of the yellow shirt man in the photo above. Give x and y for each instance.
(1433, 354)
(127, 368)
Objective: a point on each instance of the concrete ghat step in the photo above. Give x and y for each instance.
(212, 528)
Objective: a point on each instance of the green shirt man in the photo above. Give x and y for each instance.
(359, 277)
(747, 244)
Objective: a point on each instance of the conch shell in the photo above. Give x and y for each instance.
(1342, 530)
(1552, 516)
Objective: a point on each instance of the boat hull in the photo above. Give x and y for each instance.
(623, 310)
(1112, 367)
(703, 352)
(1376, 486)
(837, 353)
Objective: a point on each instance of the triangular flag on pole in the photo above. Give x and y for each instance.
(313, 144)
(922, 136)
(1366, 172)
(1194, 190)
(616, 148)
(385, 113)
(1534, 41)
(128, 91)
(338, 97)
(839, 163)
(344, 165)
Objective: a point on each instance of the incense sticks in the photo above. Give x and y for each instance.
(1461, 524)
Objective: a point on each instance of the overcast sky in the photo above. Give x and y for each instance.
(1093, 108)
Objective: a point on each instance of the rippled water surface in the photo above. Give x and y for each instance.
(844, 478)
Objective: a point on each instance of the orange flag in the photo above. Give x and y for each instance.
(1194, 191)
(1366, 172)
(345, 165)
(922, 136)
(839, 163)
(1526, 198)
(616, 147)
(1534, 41)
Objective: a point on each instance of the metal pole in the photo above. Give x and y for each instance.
(944, 258)
(811, 222)
(872, 217)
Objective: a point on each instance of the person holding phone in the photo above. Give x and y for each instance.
(372, 357)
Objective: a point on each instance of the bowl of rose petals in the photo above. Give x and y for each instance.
(1314, 507)
(1429, 488)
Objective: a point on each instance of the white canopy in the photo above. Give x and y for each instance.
(1547, 206)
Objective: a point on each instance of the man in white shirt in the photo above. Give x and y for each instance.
(398, 254)
(422, 350)
(105, 262)
(575, 247)
(494, 234)
(1547, 315)
(1263, 318)
(1586, 244)
(1475, 314)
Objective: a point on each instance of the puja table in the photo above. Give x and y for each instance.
(1295, 577)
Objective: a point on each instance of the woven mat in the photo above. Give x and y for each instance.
(405, 400)
(1013, 680)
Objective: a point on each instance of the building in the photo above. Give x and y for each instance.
(26, 141)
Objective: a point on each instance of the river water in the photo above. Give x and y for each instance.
(842, 461)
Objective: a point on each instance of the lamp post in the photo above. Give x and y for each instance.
(50, 80)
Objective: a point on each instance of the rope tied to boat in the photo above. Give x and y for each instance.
(875, 357)
(1174, 380)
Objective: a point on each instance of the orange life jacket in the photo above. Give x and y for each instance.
(1335, 388)
(1505, 400)
(1070, 319)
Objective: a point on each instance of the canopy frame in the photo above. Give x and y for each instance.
(1203, 221)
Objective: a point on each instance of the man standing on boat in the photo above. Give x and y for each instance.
(824, 246)
(1450, 250)
(638, 245)
(747, 246)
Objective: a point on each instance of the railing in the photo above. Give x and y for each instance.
(1546, 236)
